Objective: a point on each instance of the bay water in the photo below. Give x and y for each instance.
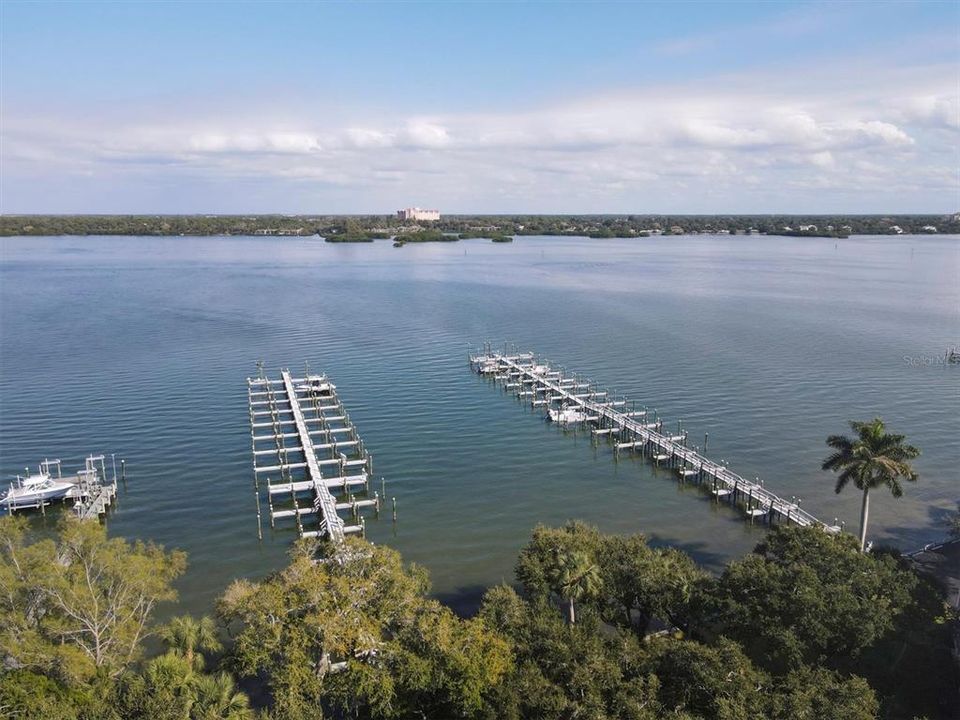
(141, 347)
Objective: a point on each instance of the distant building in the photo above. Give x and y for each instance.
(896, 230)
(808, 228)
(929, 228)
(416, 213)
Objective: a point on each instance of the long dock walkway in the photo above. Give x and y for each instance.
(570, 400)
(304, 444)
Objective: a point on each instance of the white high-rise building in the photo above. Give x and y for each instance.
(416, 213)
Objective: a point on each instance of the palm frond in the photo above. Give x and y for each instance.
(845, 477)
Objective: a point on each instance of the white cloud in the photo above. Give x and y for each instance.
(737, 142)
(253, 142)
(822, 159)
(366, 138)
(419, 133)
(933, 110)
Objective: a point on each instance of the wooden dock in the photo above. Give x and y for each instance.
(630, 430)
(91, 489)
(94, 492)
(309, 463)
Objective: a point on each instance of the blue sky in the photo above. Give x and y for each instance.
(480, 107)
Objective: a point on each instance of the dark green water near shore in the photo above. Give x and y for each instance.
(141, 347)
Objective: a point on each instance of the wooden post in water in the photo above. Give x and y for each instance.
(394, 509)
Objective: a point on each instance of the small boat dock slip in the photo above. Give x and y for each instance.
(96, 491)
(309, 462)
(91, 489)
(569, 400)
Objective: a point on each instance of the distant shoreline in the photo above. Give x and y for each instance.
(500, 228)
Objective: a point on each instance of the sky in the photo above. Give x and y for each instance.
(480, 107)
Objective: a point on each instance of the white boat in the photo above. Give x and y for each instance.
(31, 491)
(539, 369)
(566, 415)
(487, 368)
(317, 384)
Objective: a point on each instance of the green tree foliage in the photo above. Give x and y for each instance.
(633, 583)
(79, 605)
(170, 687)
(574, 576)
(873, 459)
(402, 653)
(536, 565)
(582, 670)
(216, 697)
(818, 694)
(73, 613)
(564, 670)
(162, 690)
(806, 627)
(642, 583)
(807, 597)
(189, 638)
(26, 695)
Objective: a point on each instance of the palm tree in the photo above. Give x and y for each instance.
(574, 576)
(188, 637)
(170, 672)
(875, 458)
(217, 698)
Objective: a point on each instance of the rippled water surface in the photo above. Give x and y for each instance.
(141, 347)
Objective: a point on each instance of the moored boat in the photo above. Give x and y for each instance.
(487, 368)
(33, 490)
(317, 384)
(566, 415)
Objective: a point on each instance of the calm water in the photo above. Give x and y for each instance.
(141, 347)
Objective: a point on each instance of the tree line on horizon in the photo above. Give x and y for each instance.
(369, 227)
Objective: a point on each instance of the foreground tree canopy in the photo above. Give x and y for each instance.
(79, 606)
(404, 654)
(73, 614)
(599, 626)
